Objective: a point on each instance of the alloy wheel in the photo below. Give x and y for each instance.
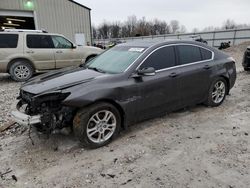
(219, 92)
(22, 72)
(101, 126)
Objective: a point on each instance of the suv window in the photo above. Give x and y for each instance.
(8, 40)
(161, 59)
(206, 54)
(61, 42)
(188, 54)
(39, 41)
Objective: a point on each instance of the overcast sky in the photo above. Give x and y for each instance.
(191, 13)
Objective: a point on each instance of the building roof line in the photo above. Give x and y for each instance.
(72, 1)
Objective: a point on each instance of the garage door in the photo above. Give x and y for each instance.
(16, 19)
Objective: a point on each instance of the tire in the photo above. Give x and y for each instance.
(90, 58)
(246, 69)
(217, 92)
(94, 133)
(21, 71)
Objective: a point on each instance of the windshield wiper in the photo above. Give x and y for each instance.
(96, 69)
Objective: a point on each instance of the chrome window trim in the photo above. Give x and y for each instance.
(177, 66)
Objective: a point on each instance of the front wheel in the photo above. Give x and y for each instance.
(21, 71)
(217, 92)
(97, 125)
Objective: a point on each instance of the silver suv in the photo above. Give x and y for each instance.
(26, 52)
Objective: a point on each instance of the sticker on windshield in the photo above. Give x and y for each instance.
(136, 49)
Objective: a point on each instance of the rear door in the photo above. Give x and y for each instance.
(195, 68)
(39, 48)
(8, 47)
(159, 93)
(65, 53)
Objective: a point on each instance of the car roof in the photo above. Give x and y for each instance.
(152, 43)
(35, 32)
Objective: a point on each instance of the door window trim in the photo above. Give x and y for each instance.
(31, 34)
(63, 38)
(177, 66)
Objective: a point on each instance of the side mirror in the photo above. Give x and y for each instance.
(148, 71)
(74, 46)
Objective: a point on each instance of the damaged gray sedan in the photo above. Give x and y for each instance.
(124, 85)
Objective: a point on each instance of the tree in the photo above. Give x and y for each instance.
(229, 24)
(143, 27)
(159, 27)
(115, 29)
(195, 30)
(175, 26)
(131, 25)
(94, 32)
(182, 29)
(104, 30)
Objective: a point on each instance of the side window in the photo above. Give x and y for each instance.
(206, 54)
(39, 41)
(61, 42)
(160, 59)
(189, 54)
(8, 40)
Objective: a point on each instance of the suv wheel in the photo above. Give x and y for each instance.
(97, 125)
(217, 92)
(21, 71)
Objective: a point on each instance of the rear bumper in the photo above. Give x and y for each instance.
(24, 119)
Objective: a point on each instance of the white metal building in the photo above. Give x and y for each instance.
(66, 17)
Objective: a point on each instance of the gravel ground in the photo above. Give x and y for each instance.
(196, 147)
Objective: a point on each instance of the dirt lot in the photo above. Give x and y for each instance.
(196, 147)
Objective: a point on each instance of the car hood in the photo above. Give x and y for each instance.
(60, 79)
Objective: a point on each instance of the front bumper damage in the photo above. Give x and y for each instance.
(24, 119)
(45, 112)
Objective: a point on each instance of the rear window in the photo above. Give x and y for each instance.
(8, 40)
(189, 54)
(39, 41)
(206, 54)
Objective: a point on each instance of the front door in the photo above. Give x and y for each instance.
(65, 53)
(159, 93)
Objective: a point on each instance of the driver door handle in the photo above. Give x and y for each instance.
(206, 67)
(59, 52)
(173, 75)
(30, 52)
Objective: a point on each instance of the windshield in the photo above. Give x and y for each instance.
(115, 60)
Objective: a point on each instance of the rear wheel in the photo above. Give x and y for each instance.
(21, 71)
(97, 125)
(217, 92)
